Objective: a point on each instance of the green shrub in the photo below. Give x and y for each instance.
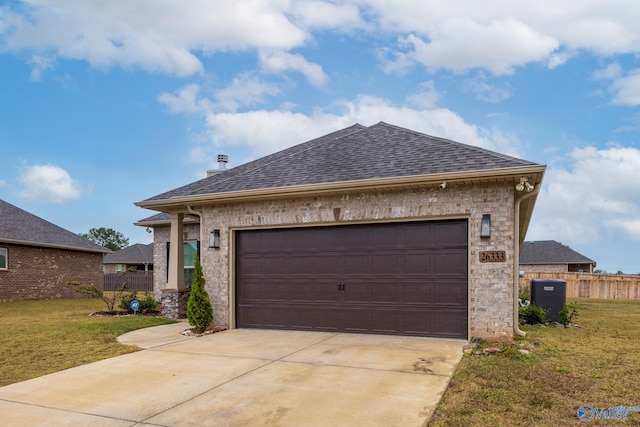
(568, 312)
(148, 302)
(199, 309)
(125, 300)
(532, 314)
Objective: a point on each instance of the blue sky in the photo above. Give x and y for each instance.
(106, 103)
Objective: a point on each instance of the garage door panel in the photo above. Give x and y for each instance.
(450, 263)
(356, 264)
(392, 278)
(386, 263)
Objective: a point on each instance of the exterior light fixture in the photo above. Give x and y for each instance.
(524, 185)
(485, 227)
(214, 239)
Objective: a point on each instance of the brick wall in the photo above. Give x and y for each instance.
(490, 284)
(551, 268)
(42, 273)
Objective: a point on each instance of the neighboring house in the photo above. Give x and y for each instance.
(374, 229)
(38, 258)
(137, 257)
(550, 256)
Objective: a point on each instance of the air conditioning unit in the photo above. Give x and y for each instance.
(551, 295)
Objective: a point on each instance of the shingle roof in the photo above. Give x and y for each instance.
(20, 227)
(551, 252)
(134, 254)
(351, 154)
(163, 219)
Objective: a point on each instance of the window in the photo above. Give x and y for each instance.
(3, 259)
(118, 268)
(190, 252)
(191, 249)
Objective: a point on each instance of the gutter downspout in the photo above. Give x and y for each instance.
(516, 258)
(199, 215)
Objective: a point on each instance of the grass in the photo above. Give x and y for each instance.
(41, 337)
(596, 364)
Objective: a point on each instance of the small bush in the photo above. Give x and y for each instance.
(125, 300)
(568, 312)
(532, 314)
(94, 292)
(199, 309)
(148, 302)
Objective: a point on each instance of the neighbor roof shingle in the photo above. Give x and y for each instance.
(20, 227)
(551, 252)
(351, 154)
(134, 254)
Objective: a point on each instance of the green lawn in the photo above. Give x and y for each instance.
(597, 364)
(40, 337)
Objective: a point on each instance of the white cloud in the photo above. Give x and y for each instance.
(186, 101)
(460, 44)
(426, 97)
(49, 184)
(278, 62)
(624, 86)
(627, 89)
(171, 36)
(325, 14)
(264, 131)
(597, 197)
(485, 91)
(610, 72)
(3, 182)
(245, 90)
(40, 63)
(153, 35)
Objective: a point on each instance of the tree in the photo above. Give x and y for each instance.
(107, 238)
(199, 309)
(94, 292)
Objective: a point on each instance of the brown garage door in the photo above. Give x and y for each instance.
(395, 278)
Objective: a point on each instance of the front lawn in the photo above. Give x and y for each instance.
(41, 337)
(597, 364)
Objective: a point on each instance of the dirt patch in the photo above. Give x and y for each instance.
(210, 330)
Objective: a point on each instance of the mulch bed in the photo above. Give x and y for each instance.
(126, 313)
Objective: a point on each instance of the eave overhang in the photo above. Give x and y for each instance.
(533, 173)
(53, 246)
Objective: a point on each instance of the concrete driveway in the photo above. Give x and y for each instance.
(244, 377)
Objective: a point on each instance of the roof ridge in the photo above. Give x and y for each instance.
(457, 143)
(319, 143)
(245, 167)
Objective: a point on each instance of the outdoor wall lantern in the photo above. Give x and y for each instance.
(485, 227)
(214, 239)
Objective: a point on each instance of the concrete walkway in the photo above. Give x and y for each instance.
(244, 377)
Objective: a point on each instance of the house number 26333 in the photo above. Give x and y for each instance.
(493, 256)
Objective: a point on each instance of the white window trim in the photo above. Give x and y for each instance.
(6, 259)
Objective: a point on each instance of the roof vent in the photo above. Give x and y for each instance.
(223, 159)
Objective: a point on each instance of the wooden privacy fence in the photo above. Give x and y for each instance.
(587, 285)
(141, 281)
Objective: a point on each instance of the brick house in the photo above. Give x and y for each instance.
(374, 229)
(38, 258)
(549, 256)
(137, 257)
